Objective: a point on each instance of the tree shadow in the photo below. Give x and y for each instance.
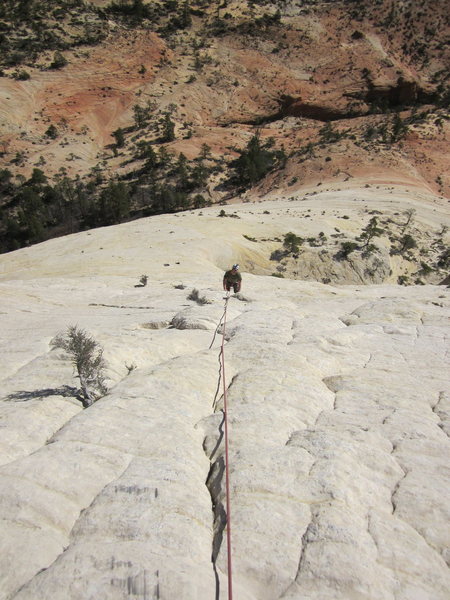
(65, 390)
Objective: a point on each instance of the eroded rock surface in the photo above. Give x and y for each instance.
(338, 403)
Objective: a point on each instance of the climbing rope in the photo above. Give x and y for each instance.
(225, 416)
(227, 474)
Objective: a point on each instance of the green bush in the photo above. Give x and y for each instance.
(407, 242)
(52, 132)
(59, 61)
(347, 248)
(22, 75)
(292, 242)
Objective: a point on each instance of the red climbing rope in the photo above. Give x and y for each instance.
(227, 474)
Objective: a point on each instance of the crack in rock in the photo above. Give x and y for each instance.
(304, 544)
(215, 479)
(396, 489)
(69, 534)
(441, 414)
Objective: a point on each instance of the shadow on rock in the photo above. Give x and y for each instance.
(23, 395)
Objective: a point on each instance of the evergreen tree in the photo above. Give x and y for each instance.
(370, 231)
(168, 134)
(256, 160)
(119, 137)
(38, 177)
(185, 15)
(113, 206)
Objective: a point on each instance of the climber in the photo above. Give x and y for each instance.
(232, 278)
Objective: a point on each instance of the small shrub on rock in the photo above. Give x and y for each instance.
(195, 296)
(87, 358)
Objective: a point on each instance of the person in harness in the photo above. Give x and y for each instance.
(232, 278)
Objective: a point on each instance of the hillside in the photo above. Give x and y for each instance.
(145, 147)
(111, 111)
(338, 413)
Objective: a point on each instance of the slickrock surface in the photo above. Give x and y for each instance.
(339, 410)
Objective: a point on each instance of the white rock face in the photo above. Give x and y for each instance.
(338, 410)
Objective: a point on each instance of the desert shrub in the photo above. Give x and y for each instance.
(59, 61)
(278, 254)
(87, 358)
(347, 248)
(292, 242)
(328, 134)
(425, 269)
(195, 296)
(22, 75)
(444, 259)
(407, 242)
(52, 132)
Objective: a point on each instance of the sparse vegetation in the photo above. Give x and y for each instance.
(407, 242)
(292, 242)
(346, 249)
(369, 232)
(195, 296)
(36, 36)
(86, 356)
(52, 132)
(21, 75)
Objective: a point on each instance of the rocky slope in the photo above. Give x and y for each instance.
(338, 409)
(321, 128)
(349, 90)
